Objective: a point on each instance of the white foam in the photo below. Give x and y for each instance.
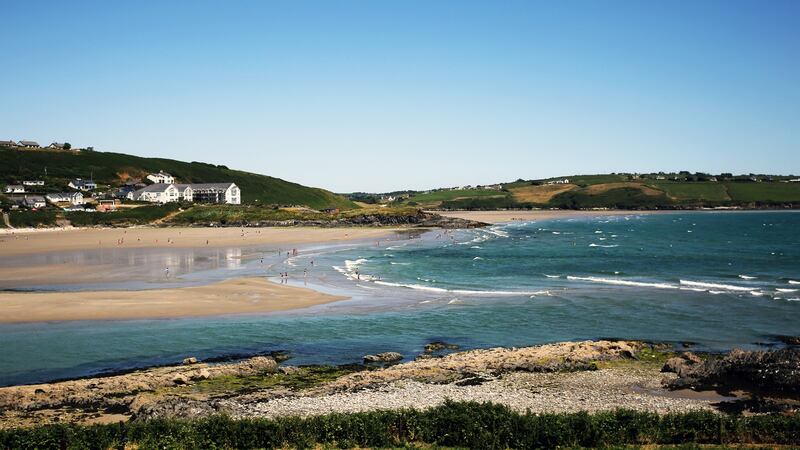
(617, 281)
(716, 292)
(399, 263)
(756, 293)
(556, 232)
(603, 246)
(718, 286)
(545, 292)
(793, 299)
(476, 246)
(477, 258)
(747, 277)
(794, 282)
(786, 290)
(552, 276)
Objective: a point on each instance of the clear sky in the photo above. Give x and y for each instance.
(384, 95)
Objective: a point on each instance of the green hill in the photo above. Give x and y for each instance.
(112, 169)
(622, 191)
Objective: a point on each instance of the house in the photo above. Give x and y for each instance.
(57, 146)
(29, 144)
(185, 192)
(62, 198)
(15, 189)
(216, 193)
(156, 193)
(564, 181)
(331, 210)
(161, 178)
(123, 191)
(8, 144)
(108, 205)
(33, 183)
(82, 185)
(34, 201)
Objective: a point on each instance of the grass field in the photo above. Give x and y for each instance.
(435, 198)
(764, 192)
(540, 194)
(112, 168)
(693, 191)
(124, 217)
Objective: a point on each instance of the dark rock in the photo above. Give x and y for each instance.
(384, 357)
(438, 346)
(792, 341)
(774, 372)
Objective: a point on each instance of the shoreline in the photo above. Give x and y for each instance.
(571, 376)
(16, 242)
(506, 216)
(232, 296)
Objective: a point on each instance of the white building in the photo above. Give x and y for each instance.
(33, 183)
(216, 193)
(156, 193)
(564, 181)
(185, 192)
(161, 178)
(15, 189)
(73, 198)
(34, 201)
(82, 185)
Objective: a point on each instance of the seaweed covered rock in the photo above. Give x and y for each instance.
(775, 372)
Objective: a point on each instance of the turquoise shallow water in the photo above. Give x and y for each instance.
(715, 279)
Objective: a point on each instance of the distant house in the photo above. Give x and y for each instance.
(216, 193)
(564, 181)
(57, 146)
(185, 192)
(15, 189)
(331, 210)
(156, 193)
(63, 198)
(29, 144)
(82, 185)
(8, 143)
(33, 183)
(794, 180)
(107, 205)
(34, 201)
(123, 191)
(161, 177)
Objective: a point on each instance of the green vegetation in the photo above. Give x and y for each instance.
(764, 192)
(448, 195)
(484, 203)
(32, 219)
(684, 191)
(128, 216)
(469, 424)
(234, 214)
(112, 169)
(303, 378)
(621, 198)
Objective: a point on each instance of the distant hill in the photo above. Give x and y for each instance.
(622, 191)
(112, 169)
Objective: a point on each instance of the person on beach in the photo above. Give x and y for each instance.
(166, 272)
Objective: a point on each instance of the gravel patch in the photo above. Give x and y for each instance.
(606, 389)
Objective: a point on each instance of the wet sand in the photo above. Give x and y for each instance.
(544, 214)
(235, 296)
(21, 242)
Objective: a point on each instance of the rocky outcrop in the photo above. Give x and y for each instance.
(122, 394)
(386, 357)
(775, 372)
(568, 356)
(681, 364)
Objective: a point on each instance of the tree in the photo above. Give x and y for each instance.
(67, 146)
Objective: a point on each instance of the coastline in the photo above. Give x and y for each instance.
(233, 296)
(495, 216)
(14, 242)
(562, 377)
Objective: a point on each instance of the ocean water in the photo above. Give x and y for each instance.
(717, 280)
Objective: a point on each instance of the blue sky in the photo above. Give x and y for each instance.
(380, 95)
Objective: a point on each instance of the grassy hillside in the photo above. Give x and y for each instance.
(621, 191)
(113, 169)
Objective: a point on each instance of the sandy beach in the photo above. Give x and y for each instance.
(543, 214)
(21, 242)
(235, 296)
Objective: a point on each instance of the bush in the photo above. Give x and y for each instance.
(456, 424)
(32, 219)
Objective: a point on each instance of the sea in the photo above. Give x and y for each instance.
(710, 281)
